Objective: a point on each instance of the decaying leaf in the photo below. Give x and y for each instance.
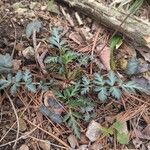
(76, 37)
(24, 147)
(45, 145)
(72, 141)
(104, 55)
(146, 132)
(93, 131)
(28, 52)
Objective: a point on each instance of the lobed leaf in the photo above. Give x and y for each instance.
(115, 92)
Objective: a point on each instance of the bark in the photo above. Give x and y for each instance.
(134, 28)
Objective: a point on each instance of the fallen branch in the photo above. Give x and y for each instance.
(135, 29)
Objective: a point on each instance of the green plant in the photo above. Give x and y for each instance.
(71, 97)
(21, 78)
(5, 63)
(116, 129)
(108, 86)
(63, 55)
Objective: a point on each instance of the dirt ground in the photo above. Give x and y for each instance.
(132, 109)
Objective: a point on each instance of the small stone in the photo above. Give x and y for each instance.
(24, 147)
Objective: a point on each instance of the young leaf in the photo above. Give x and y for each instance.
(107, 131)
(51, 59)
(27, 77)
(34, 25)
(5, 63)
(131, 86)
(30, 87)
(18, 76)
(103, 93)
(4, 84)
(112, 78)
(98, 80)
(13, 89)
(118, 126)
(85, 85)
(132, 66)
(71, 121)
(135, 6)
(115, 92)
(122, 138)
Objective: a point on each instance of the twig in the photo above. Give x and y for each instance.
(93, 48)
(40, 58)
(67, 16)
(80, 22)
(17, 119)
(50, 134)
(13, 51)
(21, 137)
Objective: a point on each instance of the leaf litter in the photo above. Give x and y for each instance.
(82, 117)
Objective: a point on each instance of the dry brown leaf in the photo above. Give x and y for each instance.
(24, 147)
(96, 146)
(104, 55)
(93, 131)
(45, 145)
(76, 37)
(16, 64)
(72, 141)
(146, 132)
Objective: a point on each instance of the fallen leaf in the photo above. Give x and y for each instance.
(72, 141)
(24, 147)
(45, 145)
(83, 147)
(146, 132)
(104, 55)
(96, 146)
(144, 83)
(93, 131)
(76, 37)
(28, 52)
(16, 64)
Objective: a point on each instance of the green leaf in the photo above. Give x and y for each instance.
(71, 121)
(131, 86)
(135, 6)
(5, 63)
(122, 138)
(74, 90)
(13, 89)
(51, 59)
(115, 42)
(34, 25)
(85, 85)
(118, 126)
(27, 76)
(107, 131)
(18, 76)
(112, 78)
(132, 66)
(115, 92)
(30, 87)
(98, 80)
(68, 57)
(4, 84)
(102, 94)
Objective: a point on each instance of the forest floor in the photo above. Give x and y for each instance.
(49, 69)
